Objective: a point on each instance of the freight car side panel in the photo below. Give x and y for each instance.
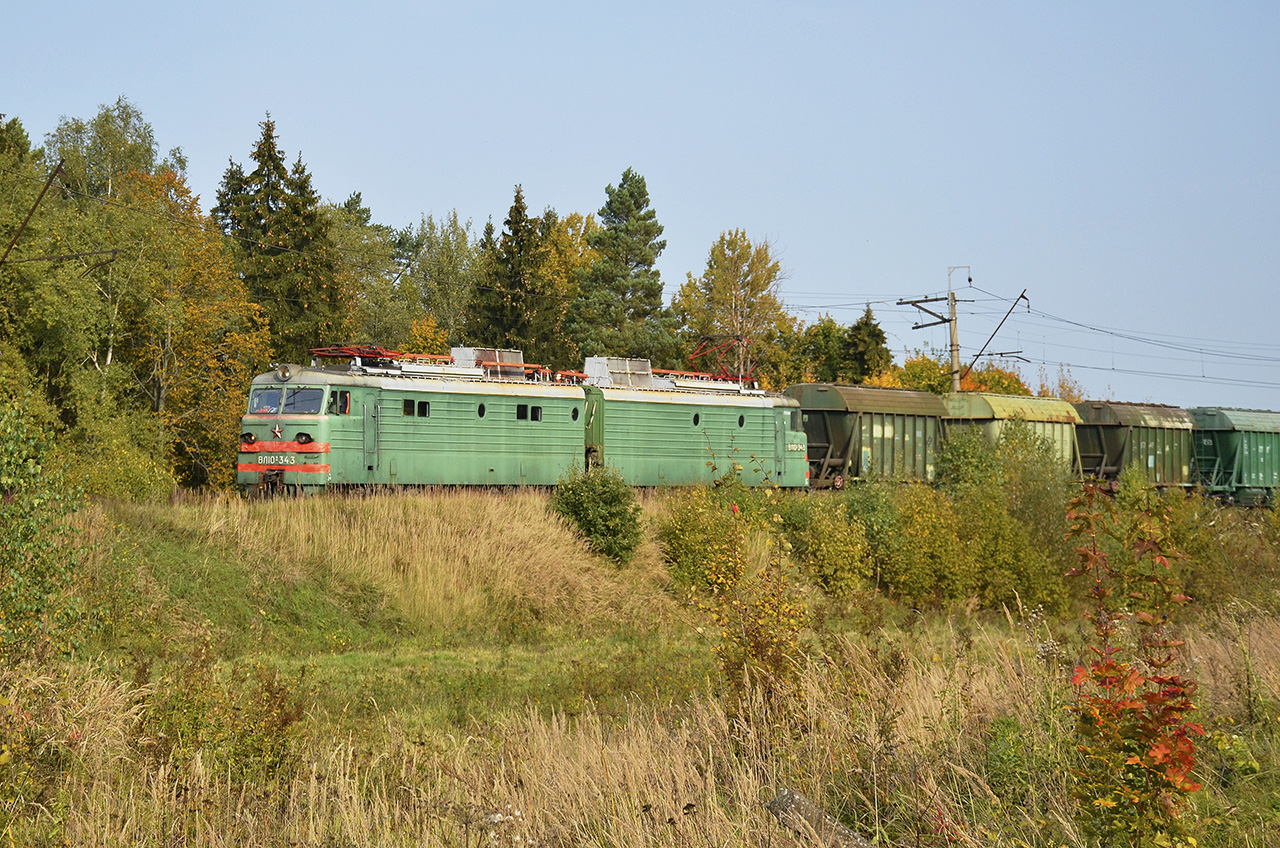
(859, 432)
(1049, 418)
(899, 447)
(1156, 439)
(1238, 453)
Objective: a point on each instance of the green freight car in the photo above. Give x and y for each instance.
(1238, 453)
(861, 432)
(1050, 418)
(1156, 439)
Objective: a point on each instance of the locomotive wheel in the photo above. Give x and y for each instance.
(837, 482)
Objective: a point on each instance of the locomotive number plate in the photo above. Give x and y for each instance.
(277, 459)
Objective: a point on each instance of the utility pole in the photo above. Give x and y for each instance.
(950, 319)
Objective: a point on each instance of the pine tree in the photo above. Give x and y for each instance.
(522, 295)
(619, 309)
(284, 249)
(499, 309)
(837, 354)
(865, 348)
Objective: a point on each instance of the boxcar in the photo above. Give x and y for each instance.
(1157, 439)
(1049, 418)
(664, 430)
(1237, 453)
(860, 432)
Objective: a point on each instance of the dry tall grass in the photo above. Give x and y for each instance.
(894, 736)
(950, 731)
(448, 559)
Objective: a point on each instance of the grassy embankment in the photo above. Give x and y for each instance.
(453, 668)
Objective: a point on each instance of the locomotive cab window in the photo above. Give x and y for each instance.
(303, 401)
(522, 412)
(265, 401)
(339, 403)
(407, 406)
(535, 413)
(424, 409)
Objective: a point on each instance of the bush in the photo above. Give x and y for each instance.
(828, 542)
(1231, 553)
(700, 534)
(914, 542)
(123, 457)
(246, 720)
(1011, 499)
(603, 508)
(37, 566)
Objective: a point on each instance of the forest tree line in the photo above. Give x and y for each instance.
(131, 321)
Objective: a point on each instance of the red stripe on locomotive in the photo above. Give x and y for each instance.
(303, 469)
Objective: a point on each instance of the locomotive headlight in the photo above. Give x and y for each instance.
(304, 438)
(248, 438)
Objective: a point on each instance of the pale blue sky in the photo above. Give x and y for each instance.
(1121, 162)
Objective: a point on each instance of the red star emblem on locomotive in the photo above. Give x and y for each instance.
(277, 430)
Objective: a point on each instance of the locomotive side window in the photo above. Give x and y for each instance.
(339, 403)
(696, 419)
(574, 415)
(303, 401)
(480, 411)
(536, 413)
(265, 401)
(522, 412)
(742, 421)
(407, 407)
(424, 409)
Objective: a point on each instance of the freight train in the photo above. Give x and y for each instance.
(361, 416)
(858, 432)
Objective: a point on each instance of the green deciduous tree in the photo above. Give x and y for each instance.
(444, 269)
(97, 153)
(382, 305)
(20, 183)
(735, 303)
(619, 309)
(284, 248)
(197, 340)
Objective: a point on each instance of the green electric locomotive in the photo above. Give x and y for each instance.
(363, 416)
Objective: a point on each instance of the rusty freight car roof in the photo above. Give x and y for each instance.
(1250, 420)
(867, 399)
(981, 406)
(1155, 416)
